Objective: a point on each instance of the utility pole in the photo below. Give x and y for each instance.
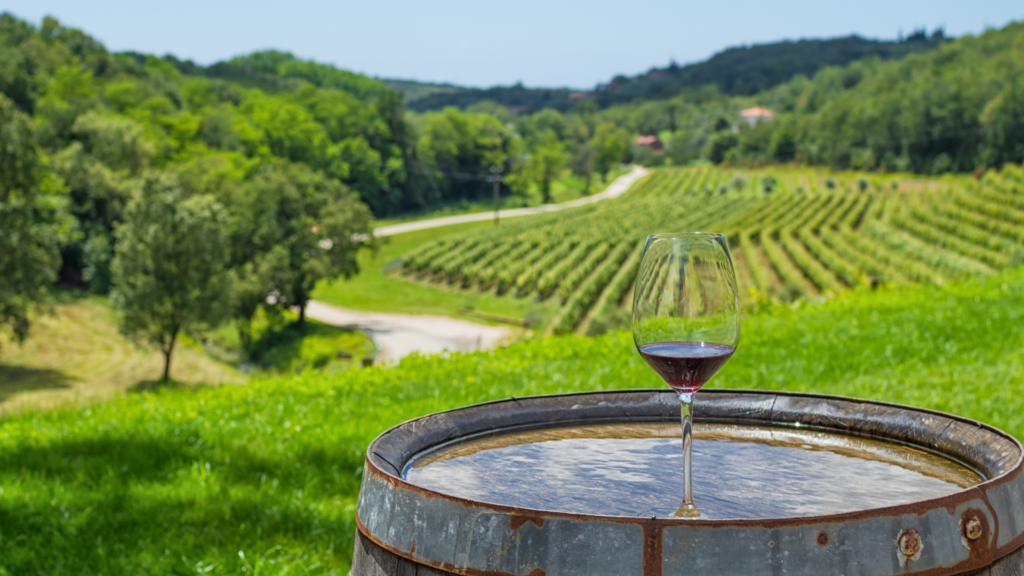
(496, 177)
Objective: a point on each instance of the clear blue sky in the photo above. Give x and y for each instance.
(574, 43)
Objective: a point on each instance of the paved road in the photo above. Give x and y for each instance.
(616, 188)
(398, 335)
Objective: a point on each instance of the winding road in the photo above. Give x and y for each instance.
(398, 335)
(615, 189)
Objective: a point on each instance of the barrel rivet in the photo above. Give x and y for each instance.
(822, 538)
(909, 542)
(972, 529)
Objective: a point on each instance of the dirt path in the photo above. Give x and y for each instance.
(398, 335)
(616, 188)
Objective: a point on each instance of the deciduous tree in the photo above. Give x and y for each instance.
(291, 228)
(548, 159)
(170, 269)
(611, 144)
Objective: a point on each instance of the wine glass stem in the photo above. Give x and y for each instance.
(686, 404)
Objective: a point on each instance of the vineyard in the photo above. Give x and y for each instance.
(793, 233)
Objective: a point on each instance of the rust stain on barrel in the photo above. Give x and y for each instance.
(653, 548)
(471, 572)
(980, 550)
(517, 520)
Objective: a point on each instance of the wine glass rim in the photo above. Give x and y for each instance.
(664, 235)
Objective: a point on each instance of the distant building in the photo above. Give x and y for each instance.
(578, 95)
(756, 114)
(518, 109)
(651, 141)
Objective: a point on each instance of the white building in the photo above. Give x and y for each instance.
(756, 114)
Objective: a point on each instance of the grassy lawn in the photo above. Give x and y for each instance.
(76, 354)
(263, 478)
(377, 291)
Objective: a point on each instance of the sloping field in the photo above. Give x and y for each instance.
(794, 233)
(76, 354)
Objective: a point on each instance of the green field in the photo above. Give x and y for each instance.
(794, 233)
(263, 478)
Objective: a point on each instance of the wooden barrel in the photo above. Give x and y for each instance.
(408, 529)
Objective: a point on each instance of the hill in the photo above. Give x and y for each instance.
(794, 233)
(737, 71)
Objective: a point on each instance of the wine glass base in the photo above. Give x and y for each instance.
(687, 511)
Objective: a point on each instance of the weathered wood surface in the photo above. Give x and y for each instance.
(372, 560)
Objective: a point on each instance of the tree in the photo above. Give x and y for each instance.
(720, 145)
(291, 228)
(582, 164)
(32, 221)
(169, 272)
(611, 144)
(542, 166)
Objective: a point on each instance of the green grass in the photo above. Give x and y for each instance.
(264, 477)
(76, 354)
(374, 289)
(279, 345)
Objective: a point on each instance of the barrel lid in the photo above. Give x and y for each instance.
(469, 536)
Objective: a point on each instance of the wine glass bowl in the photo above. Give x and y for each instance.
(686, 320)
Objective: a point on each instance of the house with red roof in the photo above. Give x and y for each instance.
(651, 141)
(756, 114)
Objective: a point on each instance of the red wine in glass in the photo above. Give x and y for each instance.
(686, 321)
(686, 366)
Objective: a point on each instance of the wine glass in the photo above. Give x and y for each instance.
(686, 320)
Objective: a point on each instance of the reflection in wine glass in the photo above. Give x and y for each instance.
(686, 321)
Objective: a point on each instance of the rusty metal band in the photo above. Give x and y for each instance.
(927, 537)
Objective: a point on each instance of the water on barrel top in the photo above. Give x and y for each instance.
(740, 472)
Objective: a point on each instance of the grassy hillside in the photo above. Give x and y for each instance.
(793, 233)
(76, 355)
(263, 478)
